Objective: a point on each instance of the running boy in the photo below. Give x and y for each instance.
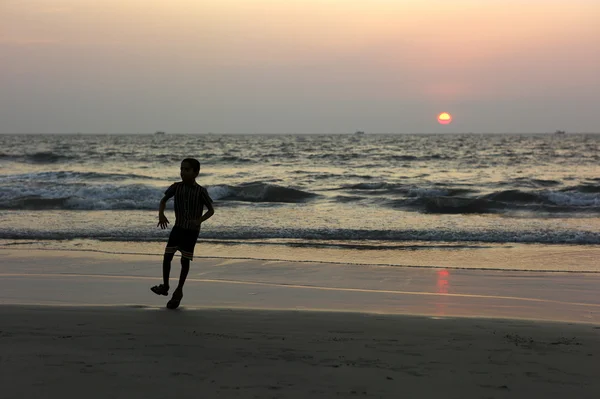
(190, 199)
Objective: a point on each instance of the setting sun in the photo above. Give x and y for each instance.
(444, 118)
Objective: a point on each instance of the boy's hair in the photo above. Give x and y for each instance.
(194, 163)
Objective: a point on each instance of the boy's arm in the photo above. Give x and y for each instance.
(163, 202)
(163, 222)
(206, 200)
(162, 205)
(209, 212)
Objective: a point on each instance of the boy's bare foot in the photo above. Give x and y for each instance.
(160, 289)
(175, 299)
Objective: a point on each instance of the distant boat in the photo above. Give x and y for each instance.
(560, 132)
(159, 133)
(359, 133)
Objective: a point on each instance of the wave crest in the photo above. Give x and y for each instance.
(80, 196)
(259, 192)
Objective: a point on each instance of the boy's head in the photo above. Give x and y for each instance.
(190, 168)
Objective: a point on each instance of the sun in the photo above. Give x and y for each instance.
(444, 118)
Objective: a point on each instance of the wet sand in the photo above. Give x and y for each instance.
(89, 278)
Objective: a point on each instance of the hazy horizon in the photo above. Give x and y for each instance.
(286, 133)
(300, 66)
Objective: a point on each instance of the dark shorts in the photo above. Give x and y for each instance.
(182, 240)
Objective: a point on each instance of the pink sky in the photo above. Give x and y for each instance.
(299, 65)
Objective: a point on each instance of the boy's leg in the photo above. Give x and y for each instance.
(185, 268)
(167, 267)
(163, 289)
(171, 248)
(186, 248)
(178, 293)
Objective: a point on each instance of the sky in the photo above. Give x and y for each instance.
(299, 66)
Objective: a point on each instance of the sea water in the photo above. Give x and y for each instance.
(384, 199)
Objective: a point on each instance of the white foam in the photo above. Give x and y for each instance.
(218, 192)
(573, 198)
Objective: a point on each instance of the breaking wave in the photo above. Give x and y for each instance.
(109, 196)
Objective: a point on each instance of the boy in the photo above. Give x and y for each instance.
(190, 199)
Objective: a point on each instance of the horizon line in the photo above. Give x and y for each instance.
(279, 133)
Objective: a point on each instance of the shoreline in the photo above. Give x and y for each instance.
(555, 258)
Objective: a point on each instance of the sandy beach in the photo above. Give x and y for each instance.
(86, 325)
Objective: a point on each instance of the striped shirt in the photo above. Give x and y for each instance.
(189, 203)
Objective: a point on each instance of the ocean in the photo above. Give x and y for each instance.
(398, 200)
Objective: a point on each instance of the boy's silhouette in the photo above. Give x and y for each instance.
(190, 199)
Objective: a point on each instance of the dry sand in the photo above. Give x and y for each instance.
(119, 352)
